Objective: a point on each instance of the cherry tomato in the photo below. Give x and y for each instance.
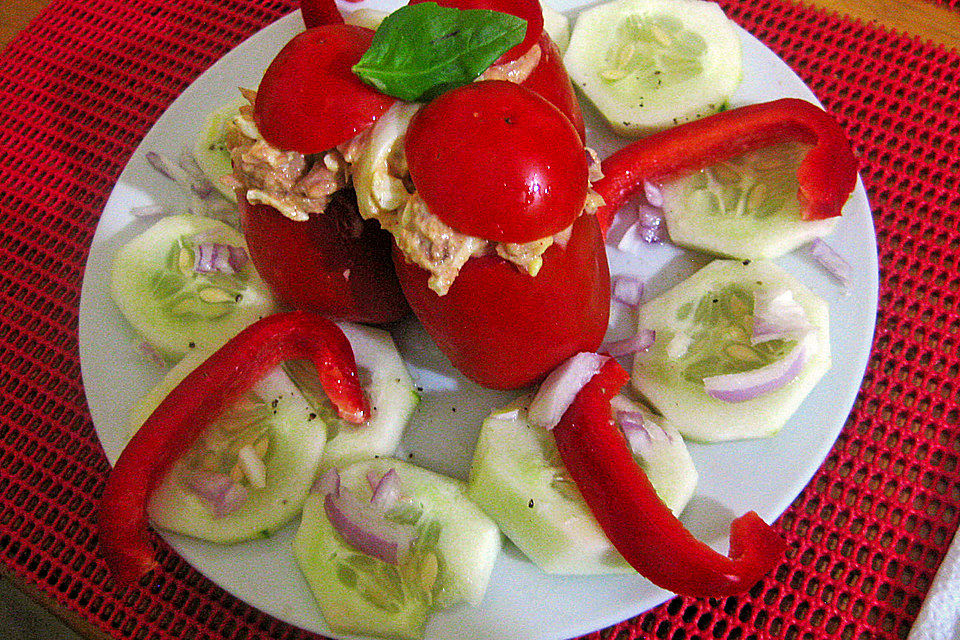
(529, 10)
(335, 264)
(494, 160)
(549, 79)
(320, 12)
(309, 99)
(505, 329)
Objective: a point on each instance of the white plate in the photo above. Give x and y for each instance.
(763, 475)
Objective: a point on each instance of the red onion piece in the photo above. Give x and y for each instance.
(223, 494)
(829, 259)
(740, 387)
(364, 527)
(197, 179)
(386, 490)
(627, 289)
(561, 386)
(776, 316)
(230, 500)
(649, 217)
(642, 341)
(215, 257)
(653, 194)
(329, 482)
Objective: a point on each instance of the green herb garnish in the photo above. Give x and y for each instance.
(422, 50)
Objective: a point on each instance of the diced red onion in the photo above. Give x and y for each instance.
(653, 194)
(642, 341)
(214, 257)
(740, 387)
(166, 167)
(776, 315)
(829, 259)
(223, 494)
(197, 179)
(632, 424)
(364, 527)
(386, 490)
(649, 217)
(230, 500)
(209, 485)
(627, 289)
(329, 482)
(561, 386)
(148, 211)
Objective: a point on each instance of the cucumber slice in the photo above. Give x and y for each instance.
(175, 309)
(451, 561)
(388, 387)
(275, 416)
(651, 64)
(746, 207)
(703, 327)
(518, 479)
(211, 151)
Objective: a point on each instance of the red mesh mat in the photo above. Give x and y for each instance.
(81, 87)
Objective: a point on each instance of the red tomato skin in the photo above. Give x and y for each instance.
(496, 161)
(320, 12)
(334, 264)
(549, 79)
(309, 99)
(529, 10)
(505, 329)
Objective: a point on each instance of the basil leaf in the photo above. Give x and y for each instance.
(422, 50)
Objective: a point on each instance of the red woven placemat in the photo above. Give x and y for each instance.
(86, 81)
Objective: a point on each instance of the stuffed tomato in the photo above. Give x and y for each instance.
(496, 245)
(295, 150)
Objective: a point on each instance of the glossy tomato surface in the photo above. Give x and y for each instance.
(505, 329)
(528, 10)
(497, 161)
(335, 264)
(309, 99)
(549, 79)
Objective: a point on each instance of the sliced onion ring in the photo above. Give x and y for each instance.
(642, 341)
(386, 489)
(830, 260)
(627, 289)
(776, 316)
(558, 390)
(740, 387)
(364, 528)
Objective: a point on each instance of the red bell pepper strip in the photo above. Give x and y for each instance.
(194, 403)
(320, 12)
(639, 525)
(827, 174)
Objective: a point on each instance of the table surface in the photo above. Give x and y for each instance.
(918, 17)
(930, 22)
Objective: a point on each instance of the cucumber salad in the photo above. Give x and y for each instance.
(446, 491)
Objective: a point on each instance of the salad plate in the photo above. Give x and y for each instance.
(763, 475)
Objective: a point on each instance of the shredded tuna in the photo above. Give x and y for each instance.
(294, 184)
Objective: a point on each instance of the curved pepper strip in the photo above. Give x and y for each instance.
(637, 522)
(827, 174)
(194, 403)
(317, 13)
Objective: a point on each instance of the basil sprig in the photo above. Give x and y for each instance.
(423, 50)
